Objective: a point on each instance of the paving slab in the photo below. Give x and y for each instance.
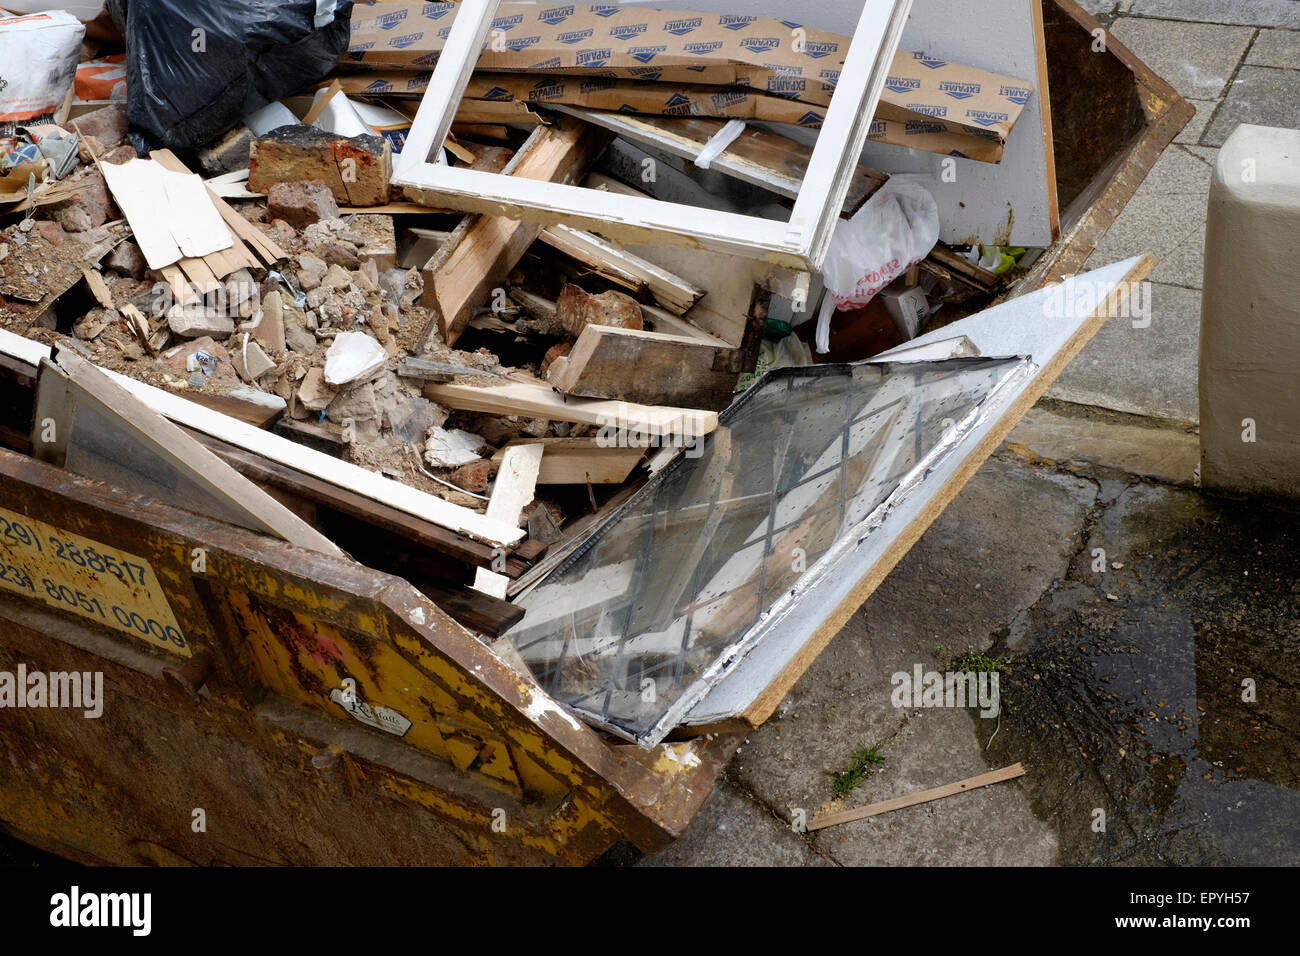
(1144, 371)
(1165, 217)
(991, 826)
(1131, 697)
(1260, 95)
(1279, 48)
(1196, 126)
(1004, 540)
(1196, 59)
(1263, 13)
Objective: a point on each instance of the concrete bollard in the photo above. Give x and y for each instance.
(1250, 317)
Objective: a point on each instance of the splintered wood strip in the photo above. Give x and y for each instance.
(200, 275)
(180, 286)
(924, 796)
(98, 287)
(537, 400)
(268, 251)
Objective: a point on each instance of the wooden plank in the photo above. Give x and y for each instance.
(377, 514)
(259, 409)
(674, 293)
(429, 371)
(516, 483)
(536, 305)
(758, 156)
(603, 267)
(651, 368)
(912, 799)
(493, 245)
(512, 492)
(478, 611)
(580, 461)
(98, 287)
(536, 400)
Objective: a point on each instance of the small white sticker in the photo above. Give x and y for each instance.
(382, 718)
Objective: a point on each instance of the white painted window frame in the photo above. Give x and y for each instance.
(800, 243)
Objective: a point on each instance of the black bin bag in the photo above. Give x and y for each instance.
(195, 68)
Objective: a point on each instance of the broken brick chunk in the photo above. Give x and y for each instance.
(301, 203)
(576, 309)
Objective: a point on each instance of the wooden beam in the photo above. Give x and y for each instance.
(580, 461)
(478, 611)
(493, 245)
(651, 368)
(536, 400)
(671, 291)
(759, 156)
(925, 796)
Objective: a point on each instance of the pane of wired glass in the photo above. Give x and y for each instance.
(633, 620)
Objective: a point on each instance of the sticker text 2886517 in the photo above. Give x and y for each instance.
(73, 573)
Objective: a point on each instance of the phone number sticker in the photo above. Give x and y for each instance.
(71, 573)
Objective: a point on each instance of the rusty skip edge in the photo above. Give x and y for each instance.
(1165, 113)
(648, 797)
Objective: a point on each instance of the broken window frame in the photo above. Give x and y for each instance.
(1013, 375)
(801, 243)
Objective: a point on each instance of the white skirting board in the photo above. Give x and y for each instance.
(1049, 327)
(344, 474)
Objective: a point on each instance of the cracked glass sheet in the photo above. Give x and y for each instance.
(636, 626)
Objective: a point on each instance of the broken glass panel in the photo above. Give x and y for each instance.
(660, 602)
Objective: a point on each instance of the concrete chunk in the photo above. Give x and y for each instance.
(354, 356)
(192, 322)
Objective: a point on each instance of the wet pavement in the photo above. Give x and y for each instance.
(1122, 688)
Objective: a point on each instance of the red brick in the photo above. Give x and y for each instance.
(108, 125)
(301, 203)
(473, 477)
(576, 309)
(357, 169)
